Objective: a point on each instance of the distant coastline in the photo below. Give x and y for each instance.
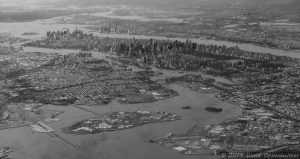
(30, 33)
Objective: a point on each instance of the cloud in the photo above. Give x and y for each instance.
(26, 4)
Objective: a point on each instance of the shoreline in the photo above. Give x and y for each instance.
(69, 130)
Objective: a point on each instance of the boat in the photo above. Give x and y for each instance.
(213, 109)
(186, 107)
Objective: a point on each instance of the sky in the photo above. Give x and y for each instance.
(25, 3)
(14, 5)
(45, 4)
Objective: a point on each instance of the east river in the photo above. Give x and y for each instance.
(125, 144)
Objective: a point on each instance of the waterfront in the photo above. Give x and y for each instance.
(132, 143)
(41, 27)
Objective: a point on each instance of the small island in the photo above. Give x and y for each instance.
(118, 121)
(30, 33)
(213, 109)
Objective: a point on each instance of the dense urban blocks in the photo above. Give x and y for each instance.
(167, 54)
(80, 79)
(9, 39)
(270, 116)
(265, 86)
(255, 131)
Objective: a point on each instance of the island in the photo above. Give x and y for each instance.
(30, 33)
(213, 109)
(118, 121)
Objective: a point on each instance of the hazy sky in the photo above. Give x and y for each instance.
(36, 4)
(6, 5)
(25, 3)
(13, 5)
